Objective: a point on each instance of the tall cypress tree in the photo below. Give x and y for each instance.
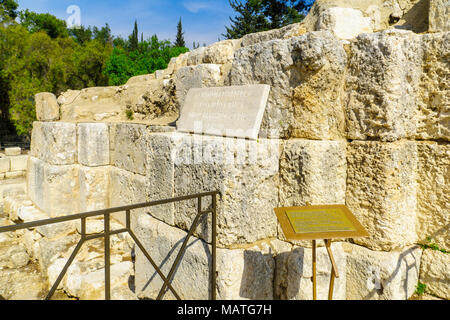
(179, 41)
(133, 40)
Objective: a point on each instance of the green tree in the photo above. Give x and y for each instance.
(179, 41)
(46, 22)
(81, 34)
(133, 40)
(8, 10)
(152, 55)
(261, 15)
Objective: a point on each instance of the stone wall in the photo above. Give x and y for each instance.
(357, 118)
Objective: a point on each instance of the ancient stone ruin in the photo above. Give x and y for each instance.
(357, 114)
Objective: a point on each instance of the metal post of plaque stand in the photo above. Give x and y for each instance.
(320, 223)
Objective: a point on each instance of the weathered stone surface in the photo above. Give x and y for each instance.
(245, 172)
(84, 105)
(284, 33)
(53, 189)
(382, 83)
(344, 23)
(381, 192)
(433, 193)
(410, 15)
(313, 173)
(5, 164)
(439, 17)
(94, 188)
(129, 145)
(199, 76)
(311, 68)
(195, 57)
(47, 107)
(235, 111)
(249, 276)
(161, 155)
(296, 281)
(373, 275)
(14, 151)
(126, 188)
(433, 120)
(221, 52)
(54, 142)
(93, 144)
(146, 78)
(23, 284)
(19, 163)
(435, 273)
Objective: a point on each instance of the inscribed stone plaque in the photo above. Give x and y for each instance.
(319, 222)
(225, 111)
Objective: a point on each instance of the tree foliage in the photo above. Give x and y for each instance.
(150, 56)
(38, 53)
(262, 15)
(179, 40)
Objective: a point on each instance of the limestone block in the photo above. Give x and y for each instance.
(345, 23)
(373, 275)
(61, 190)
(13, 255)
(15, 151)
(19, 163)
(292, 30)
(4, 165)
(246, 274)
(433, 193)
(244, 171)
(309, 68)
(54, 142)
(383, 80)
(435, 273)
(51, 250)
(35, 181)
(53, 189)
(129, 145)
(439, 18)
(161, 155)
(14, 174)
(47, 107)
(381, 192)
(93, 144)
(434, 91)
(195, 57)
(23, 284)
(241, 274)
(146, 78)
(68, 96)
(313, 173)
(84, 105)
(199, 76)
(126, 188)
(91, 286)
(296, 279)
(94, 188)
(221, 52)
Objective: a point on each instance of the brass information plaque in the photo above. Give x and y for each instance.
(319, 222)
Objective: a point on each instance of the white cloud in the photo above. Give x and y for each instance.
(196, 6)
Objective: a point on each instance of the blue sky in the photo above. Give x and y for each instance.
(203, 20)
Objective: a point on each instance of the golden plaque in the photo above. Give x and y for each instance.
(320, 223)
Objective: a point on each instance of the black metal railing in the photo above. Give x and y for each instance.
(106, 213)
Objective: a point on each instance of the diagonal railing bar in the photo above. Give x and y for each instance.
(107, 233)
(182, 249)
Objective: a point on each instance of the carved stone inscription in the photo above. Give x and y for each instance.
(225, 111)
